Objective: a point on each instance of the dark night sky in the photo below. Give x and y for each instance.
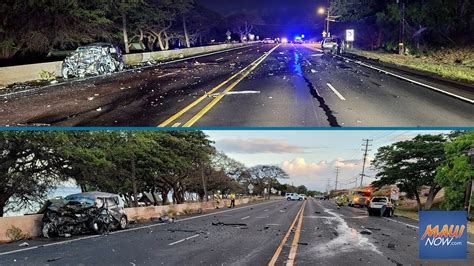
(282, 17)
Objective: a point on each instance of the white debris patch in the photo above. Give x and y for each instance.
(348, 239)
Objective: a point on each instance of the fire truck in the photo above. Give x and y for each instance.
(360, 197)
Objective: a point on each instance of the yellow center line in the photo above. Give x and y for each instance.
(280, 247)
(294, 244)
(196, 102)
(206, 109)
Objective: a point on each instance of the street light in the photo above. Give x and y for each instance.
(323, 11)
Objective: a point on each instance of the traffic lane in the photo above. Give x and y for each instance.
(135, 98)
(329, 239)
(463, 90)
(374, 99)
(162, 242)
(274, 94)
(251, 244)
(396, 238)
(45, 242)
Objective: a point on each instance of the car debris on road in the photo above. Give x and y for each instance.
(92, 212)
(91, 60)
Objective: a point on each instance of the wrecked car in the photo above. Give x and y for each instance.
(91, 60)
(91, 212)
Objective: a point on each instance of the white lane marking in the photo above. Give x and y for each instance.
(182, 240)
(132, 229)
(336, 92)
(395, 221)
(220, 59)
(245, 218)
(410, 80)
(233, 93)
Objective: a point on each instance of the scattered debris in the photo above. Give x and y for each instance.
(372, 228)
(303, 243)
(391, 246)
(99, 109)
(317, 212)
(24, 244)
(228, 224)
(167, 219)
(266, 227)
(313, 71)
(366, 232)
(55, 259)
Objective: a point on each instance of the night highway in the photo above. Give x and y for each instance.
(264, 85)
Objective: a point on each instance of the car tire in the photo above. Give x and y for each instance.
(288, 199)
(65, 72)
(120, 66)
(123, 222)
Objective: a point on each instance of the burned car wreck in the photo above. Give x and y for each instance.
(93, 59)
(92, 212)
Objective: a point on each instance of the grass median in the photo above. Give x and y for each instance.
(455, 64)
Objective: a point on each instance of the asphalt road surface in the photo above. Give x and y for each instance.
(256, 86)
(269, 233)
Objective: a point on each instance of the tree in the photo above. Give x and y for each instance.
(243, 23)
(411, 165)
(265, 176)
(455, 173)
(29, 167)
(40, 26)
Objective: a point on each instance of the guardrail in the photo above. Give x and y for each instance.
(25, 73)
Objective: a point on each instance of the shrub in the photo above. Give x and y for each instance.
(15, 234)
(45, 75)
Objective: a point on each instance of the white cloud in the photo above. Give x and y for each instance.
(258, 145)
(314, 175)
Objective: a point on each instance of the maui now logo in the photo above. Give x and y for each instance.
(443, 235)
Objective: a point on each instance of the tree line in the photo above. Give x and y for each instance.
(33, 163)
(424, 23)
(433, 161)
(42, 26)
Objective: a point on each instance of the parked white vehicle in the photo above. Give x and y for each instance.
(294, 196)
(383, 206)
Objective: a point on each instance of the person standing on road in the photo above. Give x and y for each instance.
(232, 200)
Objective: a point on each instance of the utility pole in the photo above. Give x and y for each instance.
(469, 189)
(366, 150)
(338, 170)
(401, 44)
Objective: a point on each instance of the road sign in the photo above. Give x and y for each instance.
(350, 36)
(228, 33)
(250, 187)
(325, 34)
